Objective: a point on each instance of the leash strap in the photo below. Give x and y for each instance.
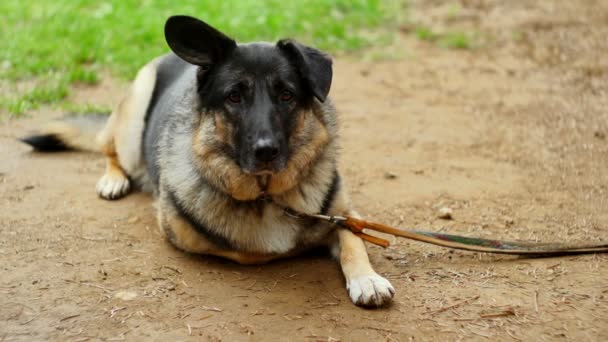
(358, 226)
(471, 243)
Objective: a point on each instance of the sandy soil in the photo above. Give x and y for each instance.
(513, 136)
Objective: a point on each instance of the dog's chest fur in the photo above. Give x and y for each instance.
(254, 226)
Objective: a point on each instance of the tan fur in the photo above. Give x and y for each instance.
(223, 130)
(218, 168)
(353, 255)
(113, 167)
(352, 252)
(122, 134)
(178, 231)
(308, 129)
(214, 163)
(120, 140)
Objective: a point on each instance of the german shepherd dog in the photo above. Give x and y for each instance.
(226, 136)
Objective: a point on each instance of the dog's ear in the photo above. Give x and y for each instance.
(196, 42)
(314, 66)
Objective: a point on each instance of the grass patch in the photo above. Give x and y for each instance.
(62, 42)
(85, 109)
(425, 33)
(456, 40)
(451, 40)
(39, 95)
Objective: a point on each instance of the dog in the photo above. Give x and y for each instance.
(226, 136)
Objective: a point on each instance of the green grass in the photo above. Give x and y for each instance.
(85, 109)
(452, 40)
(456, 40)
(53, 44)
(425, 33)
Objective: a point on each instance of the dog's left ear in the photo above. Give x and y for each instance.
(196, 42)
(314, 66)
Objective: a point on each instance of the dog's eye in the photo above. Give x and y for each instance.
(234, 97)
(286, 96)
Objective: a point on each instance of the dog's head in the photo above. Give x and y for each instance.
(258, 89)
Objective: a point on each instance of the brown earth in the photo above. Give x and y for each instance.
(512, 135)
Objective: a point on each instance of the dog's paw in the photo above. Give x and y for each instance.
(370, 290)
(113, 187)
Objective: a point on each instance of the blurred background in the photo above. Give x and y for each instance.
(55, 44)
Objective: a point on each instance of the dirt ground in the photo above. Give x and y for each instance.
(512, 135)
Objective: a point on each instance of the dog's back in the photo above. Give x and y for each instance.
(173, 78)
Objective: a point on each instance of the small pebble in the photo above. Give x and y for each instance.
(445, 213)
(390, 175)
(125, 295)
(133, 219)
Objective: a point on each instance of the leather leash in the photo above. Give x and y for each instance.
(358, 226)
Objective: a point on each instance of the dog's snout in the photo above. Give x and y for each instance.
(266, 150)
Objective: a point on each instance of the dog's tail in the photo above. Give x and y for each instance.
(70, 133)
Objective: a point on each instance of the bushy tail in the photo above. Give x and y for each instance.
(69, 133)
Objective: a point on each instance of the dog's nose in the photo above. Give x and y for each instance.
(266, 150)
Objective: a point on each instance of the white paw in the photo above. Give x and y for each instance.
(112, 187)
(370, 290)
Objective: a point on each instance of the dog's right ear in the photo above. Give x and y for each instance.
(196, 42)
(314, 66)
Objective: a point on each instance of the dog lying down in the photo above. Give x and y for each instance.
(224, 135)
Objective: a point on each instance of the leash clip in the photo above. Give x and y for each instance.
(354, 225)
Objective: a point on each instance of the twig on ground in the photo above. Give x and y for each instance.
(171, 268)
(211, 308)
(106, 289)
(513, 336)
(26, 322)
(91, 238)
(251, 285)
(432, 312)
(324, 305)
(68, 317)
(508, 312)
(113, 311)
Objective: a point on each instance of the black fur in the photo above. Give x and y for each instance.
(314, 66)
(331, 193)
(85, 124)
(45, 143)
(196, 42)
(215, 238)
(259, 75)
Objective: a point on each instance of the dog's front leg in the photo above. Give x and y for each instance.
(365, 287)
